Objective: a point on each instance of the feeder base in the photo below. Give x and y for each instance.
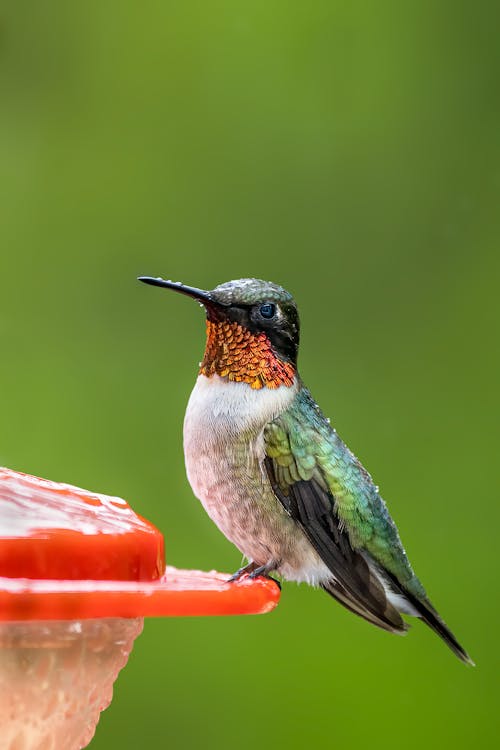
(57, 676)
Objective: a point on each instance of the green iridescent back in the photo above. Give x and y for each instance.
(305, 446)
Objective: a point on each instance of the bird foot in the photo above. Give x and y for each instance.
(246, 570)
(253, 570)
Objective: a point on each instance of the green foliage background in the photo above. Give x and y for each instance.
(349, 151)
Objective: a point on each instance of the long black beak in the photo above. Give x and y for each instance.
(199, 294)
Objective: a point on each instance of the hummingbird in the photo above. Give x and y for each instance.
(274, 475)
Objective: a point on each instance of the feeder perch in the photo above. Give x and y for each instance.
(79, 571)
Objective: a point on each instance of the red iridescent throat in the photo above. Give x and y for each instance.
(236, 353)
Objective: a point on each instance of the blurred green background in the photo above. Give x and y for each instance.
(349, 151)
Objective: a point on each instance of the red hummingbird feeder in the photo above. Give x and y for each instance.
(79, 571)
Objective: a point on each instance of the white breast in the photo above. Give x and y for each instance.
(224, 446)
(225, 406)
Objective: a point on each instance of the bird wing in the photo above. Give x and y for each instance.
(294, 455)
(326, 490)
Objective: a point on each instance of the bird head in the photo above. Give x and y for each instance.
(252, 331)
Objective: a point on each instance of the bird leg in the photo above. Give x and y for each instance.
(254, 570)
(244, 571)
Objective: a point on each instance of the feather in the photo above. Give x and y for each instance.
(336, 504)
(431, 617)
(353, 582)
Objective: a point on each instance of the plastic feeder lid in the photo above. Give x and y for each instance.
(66, 553)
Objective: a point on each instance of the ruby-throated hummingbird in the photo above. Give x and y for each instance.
(274, 475)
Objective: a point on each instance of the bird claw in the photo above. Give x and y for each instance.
(253, 571)
(246, 570)
(235, 577)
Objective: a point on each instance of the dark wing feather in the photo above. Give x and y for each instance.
(354, 584)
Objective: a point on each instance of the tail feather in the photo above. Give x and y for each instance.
(430, 616)
(387, 615)
(434, 621)
(416, 606)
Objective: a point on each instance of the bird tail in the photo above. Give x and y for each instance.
(397, 599)
(431, 617)
(420, 606)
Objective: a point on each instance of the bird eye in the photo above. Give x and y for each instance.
(267, 310)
